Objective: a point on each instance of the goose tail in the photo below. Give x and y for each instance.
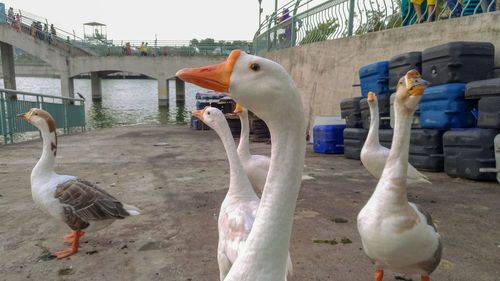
(132, 210)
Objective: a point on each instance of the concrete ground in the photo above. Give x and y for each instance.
(179, 187)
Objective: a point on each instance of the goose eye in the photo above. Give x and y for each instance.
(255, 67)
(208, 112)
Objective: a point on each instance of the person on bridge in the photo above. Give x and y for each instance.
(143, 49)
(17, 23)
(10, 16)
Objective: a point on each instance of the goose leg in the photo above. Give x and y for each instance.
(379, 274)
(425, 278)
(74, 246)
(70, 236)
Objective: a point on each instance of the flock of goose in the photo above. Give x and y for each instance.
(254, 234)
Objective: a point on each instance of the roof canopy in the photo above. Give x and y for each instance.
(94, 24)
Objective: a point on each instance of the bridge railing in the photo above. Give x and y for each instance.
(296, 24)
(168, 47)
(42, 29)
(68, 113)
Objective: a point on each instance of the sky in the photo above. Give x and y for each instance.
(145, 19)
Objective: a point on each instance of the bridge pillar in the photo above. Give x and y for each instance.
(95, 82)
(163, 91)
(9, 73)
(67, 86)
(179, 90)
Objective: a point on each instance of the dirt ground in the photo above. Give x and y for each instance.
(179, 187)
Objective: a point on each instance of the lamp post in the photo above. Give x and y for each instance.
(260, 14)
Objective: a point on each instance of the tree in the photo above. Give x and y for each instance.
(207, 44)
(320, 32)
(194, 42)
(374, 22)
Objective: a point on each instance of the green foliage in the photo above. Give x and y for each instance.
(207, 41)
(221, 47)
(320, 32)
(194, 42)
(375, 22)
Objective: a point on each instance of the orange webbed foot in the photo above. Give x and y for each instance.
(68, 238)
(74, 239)
(425, 278)
(379, 275)
(64, 253)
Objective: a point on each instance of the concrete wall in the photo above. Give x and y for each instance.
(325, 71)
(155, 67)
(34, 71)
(51, 54)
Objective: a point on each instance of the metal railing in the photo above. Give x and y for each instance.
(168, 47)
(67, 112)
(40, 28)
(296, 24)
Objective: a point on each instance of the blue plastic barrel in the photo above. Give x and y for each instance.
(444, 107)
(329, 138)
(374, 77)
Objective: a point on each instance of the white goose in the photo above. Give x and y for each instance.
(398, 235)
(266, 89)
(256, 166)
(374, 155)
(78, 203)
(237, 212)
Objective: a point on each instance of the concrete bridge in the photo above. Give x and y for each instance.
(324, 72)
(70, 61)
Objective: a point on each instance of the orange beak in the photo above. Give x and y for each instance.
(199, 113)
(238, 108)
(370, 97)
(25, 116)
(414, 83)
(214, 77)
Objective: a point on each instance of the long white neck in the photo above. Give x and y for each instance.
(244, 145)
(239, 185)
(45, 166)
(396, 167)
(373, 137)
(267, 246)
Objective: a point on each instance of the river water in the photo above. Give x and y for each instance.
(124, 101)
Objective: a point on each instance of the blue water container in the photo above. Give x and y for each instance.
(374, 77)
(444, 107)
(200, 105)
(329, 138)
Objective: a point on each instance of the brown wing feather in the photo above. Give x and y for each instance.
(431, 264)
(427, 216)
(86, 202)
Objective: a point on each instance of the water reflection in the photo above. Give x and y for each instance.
(163, 115)
(100, 117)
(124, 101)
(181, 115)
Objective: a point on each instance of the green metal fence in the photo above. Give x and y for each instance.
(298, 22)
(168, 47)
(67, 112)
(40, 28)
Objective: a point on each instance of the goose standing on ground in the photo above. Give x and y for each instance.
(265, 88)
(374, 155)
(78, 203)
(237, 212)
(256, 166)
(398, 235)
